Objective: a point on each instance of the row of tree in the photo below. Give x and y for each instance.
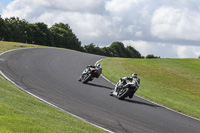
(58, 35)
(116, 49)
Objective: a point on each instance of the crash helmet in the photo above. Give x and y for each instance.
(98, 65)
(134, 75)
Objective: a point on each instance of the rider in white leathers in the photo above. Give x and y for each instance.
(123, 81)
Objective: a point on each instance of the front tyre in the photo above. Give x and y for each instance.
(123, 93)
(86, 78)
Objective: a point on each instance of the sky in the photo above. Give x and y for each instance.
(165, 28)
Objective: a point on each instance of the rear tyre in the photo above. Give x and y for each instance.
(132, 94)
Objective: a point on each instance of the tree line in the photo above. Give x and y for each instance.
(58, 35)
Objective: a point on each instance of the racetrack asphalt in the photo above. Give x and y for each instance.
(52, 74)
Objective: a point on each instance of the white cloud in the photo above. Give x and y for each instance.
(132, 17)
(69, 5)
(142, 46)
(174, 23)
(164, 50)
(187, 51)
(151, 26)
(138, 33)
(84, 17)
(17, 9)
(156, 49)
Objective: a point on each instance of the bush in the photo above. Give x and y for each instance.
(150, 56)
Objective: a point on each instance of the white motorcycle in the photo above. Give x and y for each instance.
(127, 89)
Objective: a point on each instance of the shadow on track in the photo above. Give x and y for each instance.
(126, 100)
(101, 86)
(142, 103)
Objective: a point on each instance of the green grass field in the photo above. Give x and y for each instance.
(5, 46)
(20, 112)
(174, 83)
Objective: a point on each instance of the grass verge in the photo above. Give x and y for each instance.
(20, 112)
(174, 83)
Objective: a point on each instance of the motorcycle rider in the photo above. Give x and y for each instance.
(97, 66)
(123, 81)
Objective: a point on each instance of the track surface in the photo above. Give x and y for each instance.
(52, 75)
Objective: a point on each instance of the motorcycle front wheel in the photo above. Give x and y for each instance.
(86, 78)
(123, 93)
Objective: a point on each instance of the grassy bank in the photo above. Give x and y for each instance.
(5, 46)
(20, 112)
(174, 83)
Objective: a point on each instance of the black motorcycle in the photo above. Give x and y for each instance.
(127, 90)
(89, 74)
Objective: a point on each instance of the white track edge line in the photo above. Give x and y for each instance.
(152, 101)
(1, 73)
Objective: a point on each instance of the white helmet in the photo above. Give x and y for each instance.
(134, 75)
(98, 65)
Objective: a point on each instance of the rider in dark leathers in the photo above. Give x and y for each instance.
(98, 66)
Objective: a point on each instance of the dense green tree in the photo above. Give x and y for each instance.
(15, 29)
(59, 35)
(118, 49)
(62, 36)
(132, 52)
(3, 28)
(107, 51)
(39, 34)
(150, 56)
(30, 32)
(91, 48)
